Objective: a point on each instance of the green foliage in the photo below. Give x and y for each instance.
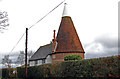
(21, 72)
(34, 72)
(99, 67)
(5, 73)
(104, 66)
(76, 69)
(72, 57)
(0, 73)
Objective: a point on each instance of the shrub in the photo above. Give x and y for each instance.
(34, 72)
(72, 57)
(5, 72)
(76, 69)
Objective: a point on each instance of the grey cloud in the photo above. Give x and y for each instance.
(13, 56)
(102, 46)
(107, 41)
(91, 55)
(119, 43)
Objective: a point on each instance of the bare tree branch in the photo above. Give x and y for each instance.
(21, 58)
(3, 21)
(6, 61)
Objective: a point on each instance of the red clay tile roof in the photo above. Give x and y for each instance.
(67, 37)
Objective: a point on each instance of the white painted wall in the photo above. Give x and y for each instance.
(48, 59)
(32, 63)
(39, 62)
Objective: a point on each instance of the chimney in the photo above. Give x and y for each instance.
(53, 41)
(54, 35)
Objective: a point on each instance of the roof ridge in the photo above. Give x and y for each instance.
(45, 45)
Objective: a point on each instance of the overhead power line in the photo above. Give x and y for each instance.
(17, 42)
(46, 15)
(34, 25)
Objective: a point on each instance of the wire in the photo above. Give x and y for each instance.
(46, 15)
(34, 25)
(17, 43)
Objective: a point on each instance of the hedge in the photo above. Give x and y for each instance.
(0, 73)
(36, 72)
(5, 72)
(98, 67)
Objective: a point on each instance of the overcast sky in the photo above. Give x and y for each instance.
(96, 22)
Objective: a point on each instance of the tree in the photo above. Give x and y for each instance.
(30, 53)
(3, 21)
(6, 61)
(72, 57)
(21, 58)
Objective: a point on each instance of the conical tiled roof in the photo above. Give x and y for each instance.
(67, 37)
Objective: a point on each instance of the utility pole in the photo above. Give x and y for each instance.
(26, 42)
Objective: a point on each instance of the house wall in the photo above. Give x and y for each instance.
(35, 62)
(43, 61)
(60, 56)
(48, 59)
(32, 63)
(39, 62)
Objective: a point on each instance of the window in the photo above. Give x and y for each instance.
(43, 61)
(31, 63)
(36, 62)
(39, 62)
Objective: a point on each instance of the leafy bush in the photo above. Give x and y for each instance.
(0, 73)
(76, 69)
(21, 72)
(5, 72)
(72, 57)
(34, 72)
